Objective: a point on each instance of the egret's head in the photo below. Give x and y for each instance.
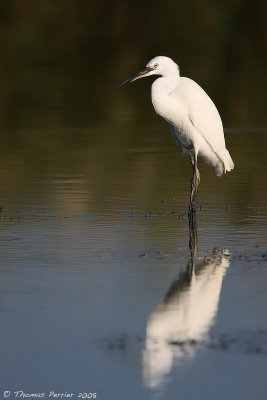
(157, 66)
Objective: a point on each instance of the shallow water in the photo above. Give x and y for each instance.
(94, 293)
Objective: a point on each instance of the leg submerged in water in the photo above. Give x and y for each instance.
(194, 185)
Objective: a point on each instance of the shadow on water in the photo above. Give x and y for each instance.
(179, 326)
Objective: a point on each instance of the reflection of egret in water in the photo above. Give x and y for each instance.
(180, 324)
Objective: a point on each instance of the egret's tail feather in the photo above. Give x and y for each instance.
(224, 163)
(228, 162)
(219, 168)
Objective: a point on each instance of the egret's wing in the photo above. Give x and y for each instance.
(202, 113)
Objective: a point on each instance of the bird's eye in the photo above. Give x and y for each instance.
(156, 66)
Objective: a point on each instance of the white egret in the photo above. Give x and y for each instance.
(193, 118)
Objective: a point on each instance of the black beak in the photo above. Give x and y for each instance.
(140, 74)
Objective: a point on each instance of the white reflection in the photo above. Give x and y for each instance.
(179, 325)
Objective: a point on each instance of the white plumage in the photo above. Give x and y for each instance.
(193, 118)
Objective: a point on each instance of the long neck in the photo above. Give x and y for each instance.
(166, 83)
(160, 90)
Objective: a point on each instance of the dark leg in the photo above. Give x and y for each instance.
(193, 241)
(194, 185)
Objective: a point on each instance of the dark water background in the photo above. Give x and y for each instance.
(94, 194)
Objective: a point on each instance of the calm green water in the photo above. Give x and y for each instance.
(96, 290)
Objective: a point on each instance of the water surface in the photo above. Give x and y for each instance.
(95, 291)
